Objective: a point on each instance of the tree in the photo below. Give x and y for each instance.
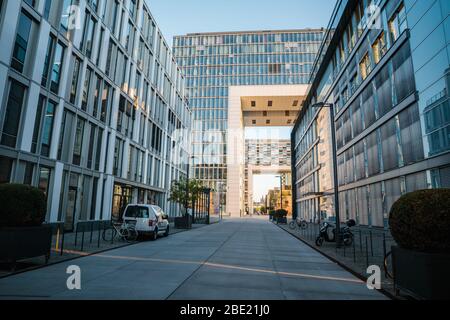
(178, 192)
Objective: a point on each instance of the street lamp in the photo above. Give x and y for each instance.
(281, 190)
(187, 185)
(335, 169)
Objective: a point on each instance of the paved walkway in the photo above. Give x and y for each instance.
(232, 260)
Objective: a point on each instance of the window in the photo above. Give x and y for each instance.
(47, 129)
(65, 15)
(379, 48)
(13, 113)
(21, 44)
(78, 144)
(56, 68)
(5, 169)
(365, 66)
(48, 57)
(43, 127)
(88, 35)
(75, 79)
(397, 24)
(253, 103)
(44, 180)
(86, 89)
(270, 104)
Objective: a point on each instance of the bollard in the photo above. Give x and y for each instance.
(82, 239)
(57, 240)
(92, 230)
(371, 242)
(112, 234)
(99, 231)
(62, 240)
(76, 235)
(360, 241)
(367, 252)
(344, 249)
(354, 251)
(384, 253)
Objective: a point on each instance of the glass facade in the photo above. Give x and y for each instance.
(92, 125)
(387, 74)
(212, 62)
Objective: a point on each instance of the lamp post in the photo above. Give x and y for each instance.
(187, 185)
(281, 191)
(335, 169)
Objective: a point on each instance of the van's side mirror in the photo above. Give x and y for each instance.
(165, 216)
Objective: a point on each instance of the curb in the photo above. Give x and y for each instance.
(344, 266)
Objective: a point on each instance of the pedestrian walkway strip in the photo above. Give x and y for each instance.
(234, 267)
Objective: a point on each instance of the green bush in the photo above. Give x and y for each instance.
(420, 220)
(280, 213)
(21, 206)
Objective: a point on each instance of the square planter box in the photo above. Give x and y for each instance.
(421, 275)
(184, 222)
(23, 243)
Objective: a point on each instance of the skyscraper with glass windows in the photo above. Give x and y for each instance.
(90, 96)
(385, 67)
(212, 62)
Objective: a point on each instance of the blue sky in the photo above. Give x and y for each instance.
(177, 17)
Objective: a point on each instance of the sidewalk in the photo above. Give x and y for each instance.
(78, 245)
(369, 248)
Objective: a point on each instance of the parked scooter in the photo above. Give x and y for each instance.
(328, 233)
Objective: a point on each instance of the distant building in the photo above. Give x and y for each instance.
(214, 63)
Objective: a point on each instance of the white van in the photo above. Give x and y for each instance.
(150, 220)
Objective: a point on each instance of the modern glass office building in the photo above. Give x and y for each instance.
(385, 67)
(212, 62)
(90, 95)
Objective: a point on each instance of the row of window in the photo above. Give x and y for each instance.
(247, 38)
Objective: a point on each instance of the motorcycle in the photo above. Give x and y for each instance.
(326, 235)
(300, 223)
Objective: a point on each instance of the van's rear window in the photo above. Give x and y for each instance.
(137, 212)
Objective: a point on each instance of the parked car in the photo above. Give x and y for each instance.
(150, 220)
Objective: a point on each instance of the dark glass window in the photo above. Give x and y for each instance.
(75, 79)
(21, 44)
(5, 169)
(12, 115)
(390, 145)
(56, 68)
(47, 129)
(403, 73)
(78, 145)
(411, 135)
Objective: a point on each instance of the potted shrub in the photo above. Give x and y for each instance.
(420, 224)
(185, 193)
(271, 215)
(281, 216)
(22, 213)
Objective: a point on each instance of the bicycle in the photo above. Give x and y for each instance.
(298, 223)
(126, 230)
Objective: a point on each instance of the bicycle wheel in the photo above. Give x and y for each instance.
(292, 224)
(131, 235)
(304, 225)
(109, 234)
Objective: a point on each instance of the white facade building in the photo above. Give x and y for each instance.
(90, 97)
